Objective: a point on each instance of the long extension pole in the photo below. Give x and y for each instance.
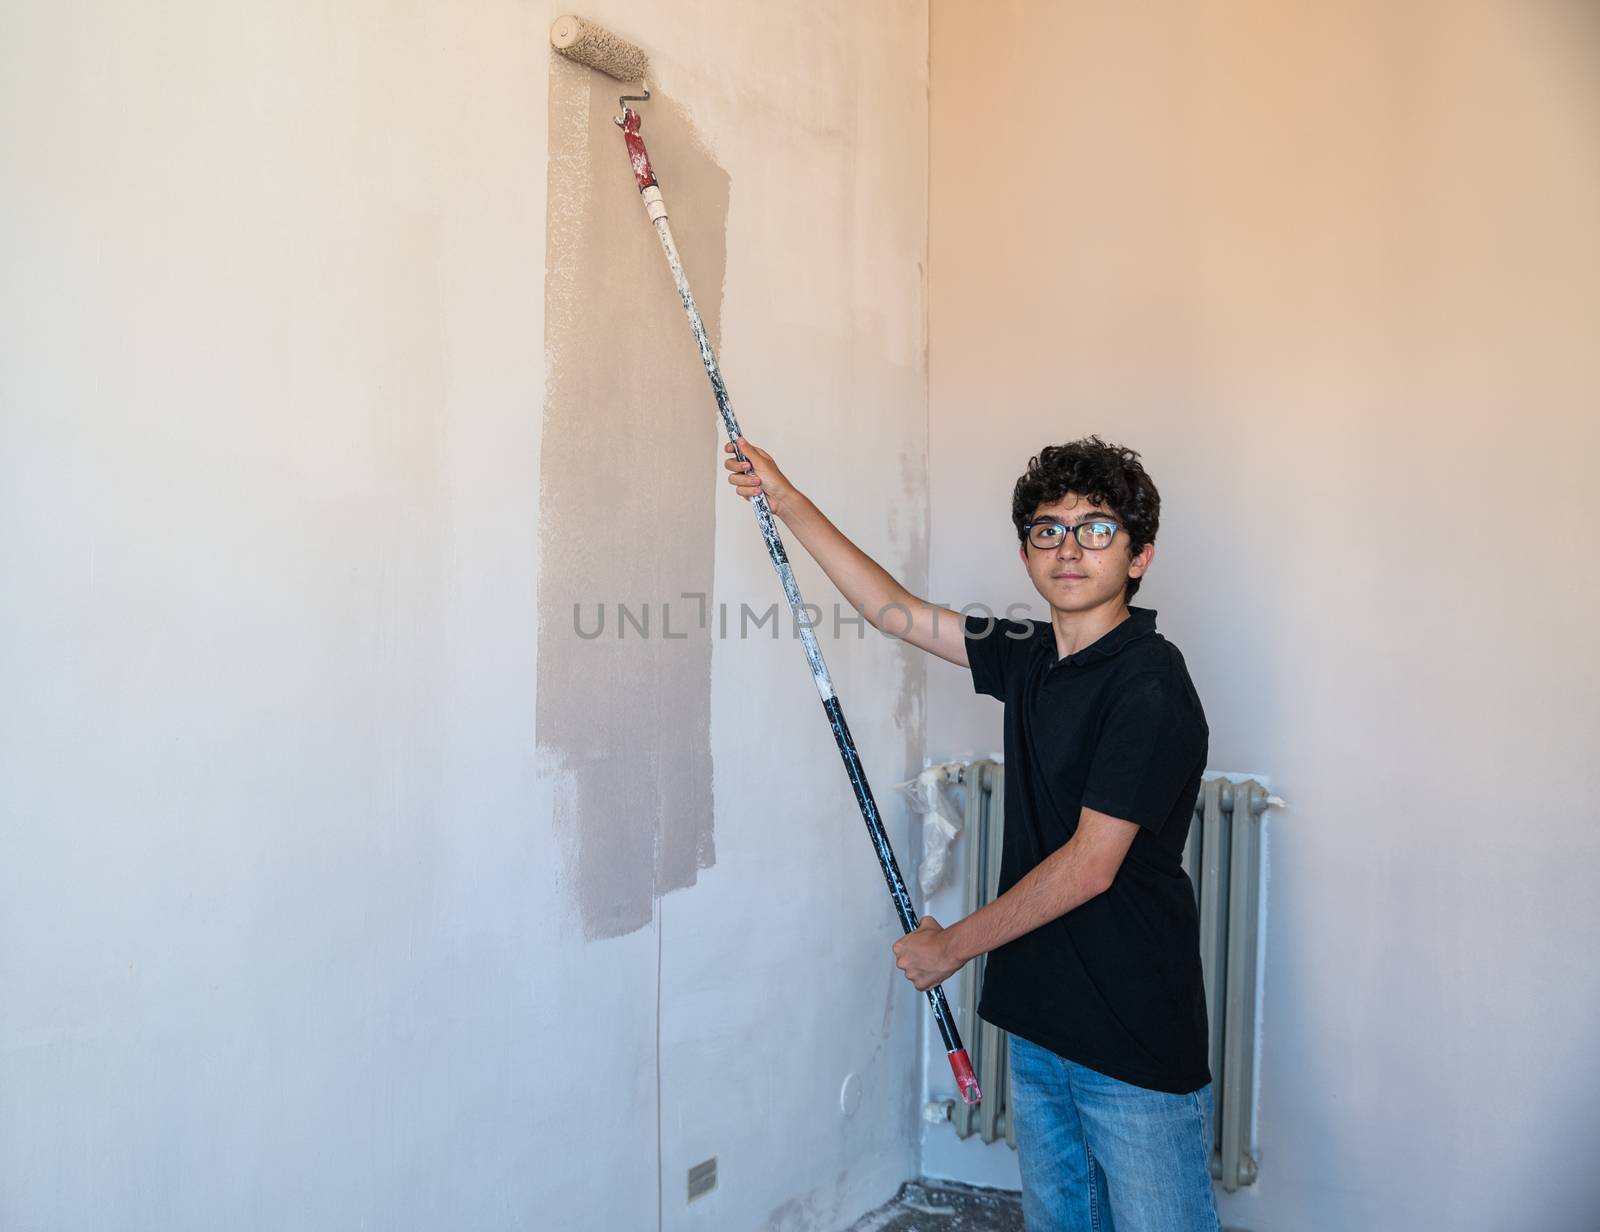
(966, 1082)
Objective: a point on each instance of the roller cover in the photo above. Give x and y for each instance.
(598, 48)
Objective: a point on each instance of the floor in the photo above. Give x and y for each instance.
(933, 1206)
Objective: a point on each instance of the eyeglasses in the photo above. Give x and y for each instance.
(1047, 533)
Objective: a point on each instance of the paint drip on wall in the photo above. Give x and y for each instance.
(631, 469)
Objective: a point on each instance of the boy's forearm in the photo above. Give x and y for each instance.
(1061, 883)
(865, 584)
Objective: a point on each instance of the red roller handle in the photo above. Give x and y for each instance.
(966, 1080)
(638, 157)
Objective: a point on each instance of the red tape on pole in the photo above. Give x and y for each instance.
(637, 157)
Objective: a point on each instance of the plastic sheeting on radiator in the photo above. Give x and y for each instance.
(941, 820)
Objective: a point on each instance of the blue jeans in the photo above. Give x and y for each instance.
(1099, 1155)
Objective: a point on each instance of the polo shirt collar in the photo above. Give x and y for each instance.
(1141, 622)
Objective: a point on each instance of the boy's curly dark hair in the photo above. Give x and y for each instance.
(1108, 475)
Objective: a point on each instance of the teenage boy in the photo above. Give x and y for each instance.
(1093, 943)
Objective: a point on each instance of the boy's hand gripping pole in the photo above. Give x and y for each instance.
(639, 160)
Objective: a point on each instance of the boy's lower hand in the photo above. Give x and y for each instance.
(925, 955)
(757, 474)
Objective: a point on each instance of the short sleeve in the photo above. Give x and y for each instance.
(1152, 743)
(994, 650)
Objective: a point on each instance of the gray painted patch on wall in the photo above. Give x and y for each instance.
(631, 468)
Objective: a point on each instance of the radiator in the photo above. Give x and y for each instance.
(985, 783)
(1223, 860)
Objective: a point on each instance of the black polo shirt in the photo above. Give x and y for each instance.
(1114, 984)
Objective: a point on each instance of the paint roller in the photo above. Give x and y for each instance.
(598, 48)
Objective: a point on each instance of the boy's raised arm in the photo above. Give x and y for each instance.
(866, 585)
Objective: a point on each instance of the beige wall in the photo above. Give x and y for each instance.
(1335, 269)
(290, 935)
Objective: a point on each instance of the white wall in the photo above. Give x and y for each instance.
(1335, 270)
(284, 937)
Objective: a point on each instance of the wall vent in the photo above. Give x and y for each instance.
(702, 1178)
